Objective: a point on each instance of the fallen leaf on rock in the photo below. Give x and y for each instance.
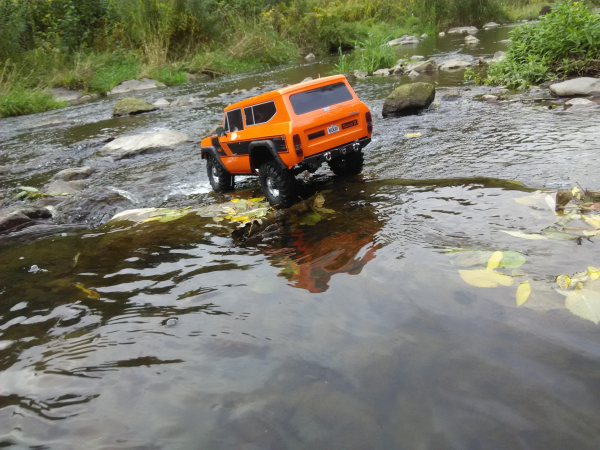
(584, 303)
(90, 292)
(564, 281)
(523, 292)
(522, 235)
(485, 278)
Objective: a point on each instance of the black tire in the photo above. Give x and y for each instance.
(220, 179)
(350, 164)
(278, 185)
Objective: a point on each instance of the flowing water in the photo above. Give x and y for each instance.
(355, 332)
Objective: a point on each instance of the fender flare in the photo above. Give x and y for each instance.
(270, 145)
(212, 151)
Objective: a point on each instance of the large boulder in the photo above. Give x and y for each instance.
(490, 26)
(576, 86)
(422, 66)
(463, 30)
(91, 206)
(455, 64)
(74, 173)
(18, 218)
(471, 40)
(127, 106)
(136, 85)
(408, 99)
(128, 146)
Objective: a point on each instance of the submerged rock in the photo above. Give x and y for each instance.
(576, 86)
(471, 40)
(408, 99)
(413, 74)
(505, 41)
(576, 104)
(161, 103)
(128, 146)
(66, 95)
(463, 30)
(52, 121)
(74, 173)
(450, 95)
(422, 66)
(18, 218)
(417, 58)
(455, 64)
(136, 85)
(490, 98)
(93, 206)
(382, 73)
(360, 74)
(404, 40)
(127, 106)
(61, 187)
(310, 57)
(441, 34)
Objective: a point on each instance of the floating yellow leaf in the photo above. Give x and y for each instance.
(523, 292)
(494, 260)
(594, 273)
(240, 219)
(564, 281)
(485, 278)
(410, 135)
(319, 201)
(90, 292)
(584, 303)
(592, 221)
(522, 235)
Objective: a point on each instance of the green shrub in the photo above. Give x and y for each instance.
(564, 42)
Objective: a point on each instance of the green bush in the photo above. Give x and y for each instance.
(564, 42)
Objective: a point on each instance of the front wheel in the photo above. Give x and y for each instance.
(349, 164)
(220, 179)
(278, 184)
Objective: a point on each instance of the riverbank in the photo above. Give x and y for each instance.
(114, 44)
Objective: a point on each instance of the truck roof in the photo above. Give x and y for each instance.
(286, 90)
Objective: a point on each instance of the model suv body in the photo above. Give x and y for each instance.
(282, 133)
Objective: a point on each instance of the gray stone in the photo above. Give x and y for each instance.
(490, 98)
(455, 64)
(197, 77)
(310, 57)
(89, 97)
(11, 219)
(360, 74)
(64, 187)
(74, 173)
(235, 92)
(408, 99)
(498, 56)
(381, 73)
(161, 103)
(136, 85)
(576, 86)
(413, 74)
(424, 35)
(505, 41)
(3, 169)
(422, 66)
(128, 146)
(450, 95)
(52, 121)
(463, 30)
(417, 58)
(396, 70)
(471, 40)
(181, 102)
(441, 34)
(66, 95)
(92, 206)
(255, 89)
(306, 79)
(490, 26)
(127, 106)
(404, 40)
(576, 104)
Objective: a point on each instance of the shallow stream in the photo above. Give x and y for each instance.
(356, 332)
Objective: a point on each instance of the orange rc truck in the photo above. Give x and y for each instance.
(279, 134)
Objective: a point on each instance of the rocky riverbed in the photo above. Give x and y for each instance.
(382, 311)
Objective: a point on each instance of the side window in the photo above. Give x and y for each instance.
(249, 116)
(235, 120)
(225, 123)
(264, 112)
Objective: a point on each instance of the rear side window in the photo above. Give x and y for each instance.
(234, 120)
(322, 97)
(261, 113)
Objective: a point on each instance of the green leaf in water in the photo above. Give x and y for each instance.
(311, 218)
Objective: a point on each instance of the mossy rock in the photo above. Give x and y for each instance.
(409, 99)
(127, 106)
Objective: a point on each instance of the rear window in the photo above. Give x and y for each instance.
(322, 97)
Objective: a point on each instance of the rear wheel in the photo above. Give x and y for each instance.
(278, 184)
(349, 164)
(220, 179)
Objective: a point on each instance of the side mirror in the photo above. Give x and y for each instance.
(220, 131)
